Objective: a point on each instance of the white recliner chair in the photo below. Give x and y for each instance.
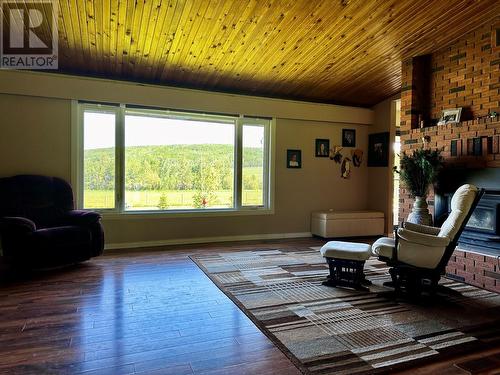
(418, 254)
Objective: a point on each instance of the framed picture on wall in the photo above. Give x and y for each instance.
(348, 138)
(322, 148)
(293, 158)
(378, 150)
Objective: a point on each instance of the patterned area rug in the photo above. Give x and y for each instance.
(327, 330)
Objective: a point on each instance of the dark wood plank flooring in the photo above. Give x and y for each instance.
(149, 311)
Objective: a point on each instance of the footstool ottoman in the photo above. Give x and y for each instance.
(346, 261)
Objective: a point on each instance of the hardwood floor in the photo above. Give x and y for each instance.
(140, 312)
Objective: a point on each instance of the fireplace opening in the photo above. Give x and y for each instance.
(484, 219)
(482, 232)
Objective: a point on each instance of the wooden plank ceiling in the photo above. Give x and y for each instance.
(334, 51)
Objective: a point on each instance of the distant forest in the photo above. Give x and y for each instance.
(173, 167)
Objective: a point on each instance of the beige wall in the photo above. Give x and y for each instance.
(380, 178)
(297, 192)
(36, 138)
(80, 88)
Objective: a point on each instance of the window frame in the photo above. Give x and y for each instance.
(246, 121)
(121, 110)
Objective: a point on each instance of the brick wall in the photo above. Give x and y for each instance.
(475, 269)
(467, 75)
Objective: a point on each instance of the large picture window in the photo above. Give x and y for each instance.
(144, 160)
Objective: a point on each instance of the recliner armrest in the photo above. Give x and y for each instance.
(14, 224)
(426, 229)
(422, 238)
(80, 217)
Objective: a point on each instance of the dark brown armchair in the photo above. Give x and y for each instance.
(39, 226)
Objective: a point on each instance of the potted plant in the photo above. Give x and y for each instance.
(418, 171)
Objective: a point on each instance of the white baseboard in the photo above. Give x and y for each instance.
(197, 240)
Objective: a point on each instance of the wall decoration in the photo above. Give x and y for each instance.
(345, 169)
(492, 115)
(378, 150)
(335, 154)
(348, 138)
(450, 116)
(322, 148)
(294, 158)
(357, 157)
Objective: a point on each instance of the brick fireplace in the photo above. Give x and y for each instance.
(466, 74)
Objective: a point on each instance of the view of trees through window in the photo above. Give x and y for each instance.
(253, 166)
(99, 156)
(171, 163)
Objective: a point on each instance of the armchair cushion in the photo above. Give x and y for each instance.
(410, 252)
(38, 198)
(80, 217)
(421, 228)
(422, 238)
(384, 247)
(461, 203)
(419, 255)
(420, 249)
(59, 245)
(16, 225)
(66, 236)
(413, 253)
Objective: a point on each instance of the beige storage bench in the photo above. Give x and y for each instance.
(329, 224)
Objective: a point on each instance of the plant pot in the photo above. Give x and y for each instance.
(420, 213)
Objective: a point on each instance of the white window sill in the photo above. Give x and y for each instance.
(126, 215)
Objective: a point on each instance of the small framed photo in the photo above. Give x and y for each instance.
(450, 116)
(322, 148)
(378, 150)
(348, 138)
(293, 158)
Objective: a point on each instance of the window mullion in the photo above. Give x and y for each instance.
(238, 163)
(120, 160)
(80, 152)
(266, 169)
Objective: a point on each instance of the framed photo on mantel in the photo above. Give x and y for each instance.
(450, 116)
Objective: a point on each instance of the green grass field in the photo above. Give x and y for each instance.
(175, 199)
